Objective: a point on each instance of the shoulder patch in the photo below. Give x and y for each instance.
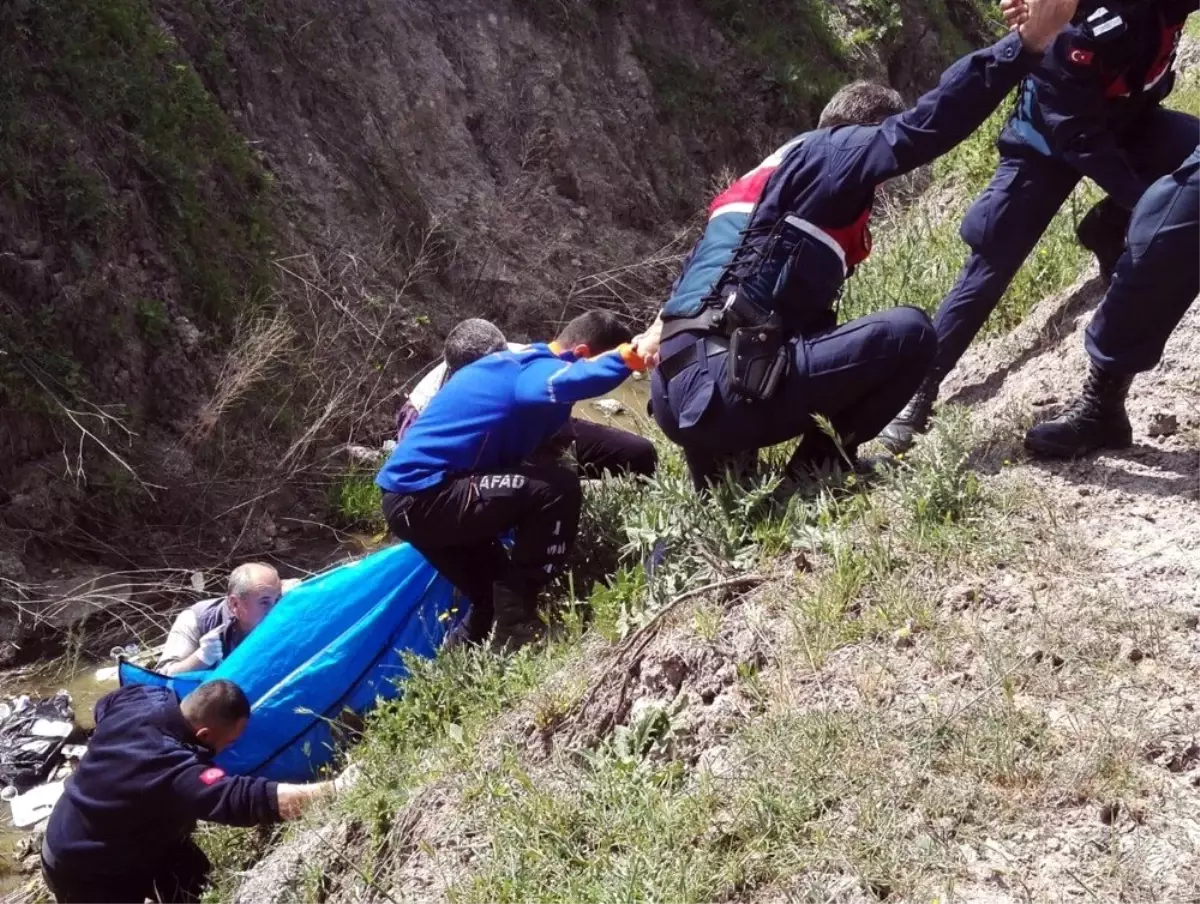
(212, 776)
(1081, 57)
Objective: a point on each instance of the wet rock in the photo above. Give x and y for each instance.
(1162, 424)
(611, 407)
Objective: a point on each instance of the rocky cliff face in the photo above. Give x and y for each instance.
(231, 231)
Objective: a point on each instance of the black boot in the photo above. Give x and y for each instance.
(1094, 420)
(913, 419)
(1102, 232)
(517, 623)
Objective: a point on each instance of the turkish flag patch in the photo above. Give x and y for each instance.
(212, 776)
(1081, 57)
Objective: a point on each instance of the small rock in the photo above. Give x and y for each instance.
(197, 581)
(716, 761)
(1130, 651)
(665, 675)
(389, 446)
(903, 638)
(362, 455)
(1191, 622)
(1085, 491)
(1109, 813)
(1163, 425)
(11, 566)
(188, 333)
(610, 407)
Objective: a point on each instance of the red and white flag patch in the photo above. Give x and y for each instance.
(1081, 57)
(212, 776)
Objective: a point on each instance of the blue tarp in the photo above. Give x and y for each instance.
(332, 644)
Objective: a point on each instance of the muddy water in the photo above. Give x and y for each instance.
(633, 396)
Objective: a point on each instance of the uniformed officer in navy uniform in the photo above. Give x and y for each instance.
(1093, 108)
(747, 343)
(1155, 282)
(122, 830)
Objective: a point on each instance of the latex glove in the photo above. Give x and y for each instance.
(210, 648)
(347, 780)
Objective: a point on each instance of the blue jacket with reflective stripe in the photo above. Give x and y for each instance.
(495, 413)
(827, 179)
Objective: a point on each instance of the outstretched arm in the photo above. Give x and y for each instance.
(557, 381)
(966, 95)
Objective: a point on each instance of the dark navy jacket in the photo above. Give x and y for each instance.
(1099, 75)
(496, 412)
(826, 181)
(141, 787)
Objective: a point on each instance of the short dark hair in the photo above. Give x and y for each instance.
(861, 104)
(471, 340)
(600, 331)
(218, 702)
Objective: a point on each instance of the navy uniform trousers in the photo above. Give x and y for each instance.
(1006, 221)
(1156, 279)
(858, 375)
(180, 876)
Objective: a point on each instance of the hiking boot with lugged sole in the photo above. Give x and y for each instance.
(913, 419)
(1094, 420)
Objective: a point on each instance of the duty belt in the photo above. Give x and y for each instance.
(712, 345)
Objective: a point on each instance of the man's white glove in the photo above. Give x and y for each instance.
(210, 648)
(347, 780)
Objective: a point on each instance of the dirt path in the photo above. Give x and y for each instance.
(1136, 514)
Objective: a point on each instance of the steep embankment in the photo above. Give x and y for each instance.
(231, 231)
(974, 682)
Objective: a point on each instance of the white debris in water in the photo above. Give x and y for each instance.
(609, 406)
(47, 728)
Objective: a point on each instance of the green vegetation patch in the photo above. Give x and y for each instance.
(101, 119)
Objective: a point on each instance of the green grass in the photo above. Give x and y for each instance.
(105, 129)
(354, 501)
(816, 794)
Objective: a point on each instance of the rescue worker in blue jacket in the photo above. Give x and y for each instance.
(122, 829)
(462, 476)
(747, 345)
(1093, 108)
(1155, 282)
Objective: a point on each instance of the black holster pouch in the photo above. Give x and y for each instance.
(758, 361)
(758, 348)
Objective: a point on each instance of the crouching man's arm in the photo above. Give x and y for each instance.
(210, 794)
(186, 650)
(558, 381)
